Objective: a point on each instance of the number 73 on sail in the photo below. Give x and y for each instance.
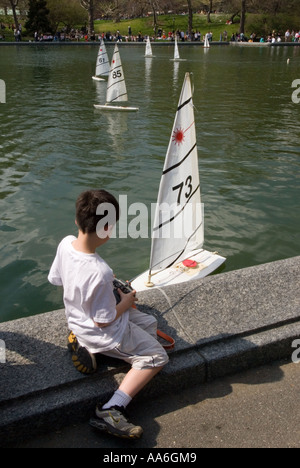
(177, 253)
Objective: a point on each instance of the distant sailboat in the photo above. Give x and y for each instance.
(176, 53)
(102, 64)
(206, 42)
(177, 253)
(149, 53)
(116, 87)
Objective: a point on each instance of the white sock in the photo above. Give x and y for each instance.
(118, 399)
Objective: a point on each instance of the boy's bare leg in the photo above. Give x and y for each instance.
(136, 380)
(111, 417)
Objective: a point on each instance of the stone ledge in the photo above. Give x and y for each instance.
(222, 325)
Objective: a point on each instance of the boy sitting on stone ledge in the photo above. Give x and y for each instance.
(96, 323)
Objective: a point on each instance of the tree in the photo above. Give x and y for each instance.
(190, 8)
(14, 4)
(88, 5)
(239, 7)
(37, 17)
(243, 17)
(210, 11)
(68, 12)
(153, 6)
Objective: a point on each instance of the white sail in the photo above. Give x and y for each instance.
(178, 225)
(102, 65)
(177, 253)
(116, 87)
(176, 52)
(149, 52)
(206, 42)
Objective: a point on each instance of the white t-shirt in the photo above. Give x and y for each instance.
(88, 297)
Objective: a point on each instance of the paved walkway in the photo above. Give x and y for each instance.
(256, 408)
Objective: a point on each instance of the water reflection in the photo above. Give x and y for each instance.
(100, 88)
(176, 73)
(148, 80)
(117, 129)
(53, 144)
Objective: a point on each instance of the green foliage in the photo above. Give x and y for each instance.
(6, 19)
(66, 12)
(265, 24)
(38, 19)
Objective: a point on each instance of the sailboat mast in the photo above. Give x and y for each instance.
(149, 283)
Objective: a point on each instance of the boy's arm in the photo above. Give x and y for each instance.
(54, 276)
(127, 301)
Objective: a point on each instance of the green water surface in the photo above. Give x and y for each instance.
(53, 145)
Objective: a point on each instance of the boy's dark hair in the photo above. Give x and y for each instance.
(86, 209)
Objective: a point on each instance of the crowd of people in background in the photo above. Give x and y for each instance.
(159, 35)
(292, 36)
(81, 35)
(197, 36)
(275, 37)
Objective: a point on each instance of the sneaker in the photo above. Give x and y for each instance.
(83, 360)
(114, 421)
(72, 342)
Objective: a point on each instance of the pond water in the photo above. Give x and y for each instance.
(53, 145)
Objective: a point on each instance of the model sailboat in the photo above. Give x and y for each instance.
(149, 53)
(177, 253)
(102, 64)
(176, 53)
(116, 87)
(206, 42)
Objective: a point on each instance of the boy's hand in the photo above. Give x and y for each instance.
(128, 300)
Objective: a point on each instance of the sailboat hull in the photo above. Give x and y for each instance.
(206, 263)
(97, 78)
(116, 108)
(178, 60)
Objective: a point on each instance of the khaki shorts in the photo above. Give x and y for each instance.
(139, 346)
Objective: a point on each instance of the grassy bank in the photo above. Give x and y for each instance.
(169, 23)
(145, 26)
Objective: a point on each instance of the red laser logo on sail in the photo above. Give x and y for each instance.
(178, 136)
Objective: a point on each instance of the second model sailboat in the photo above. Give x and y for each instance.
(116, 87)
(149, 53)
(102, 64)
(176, 53)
